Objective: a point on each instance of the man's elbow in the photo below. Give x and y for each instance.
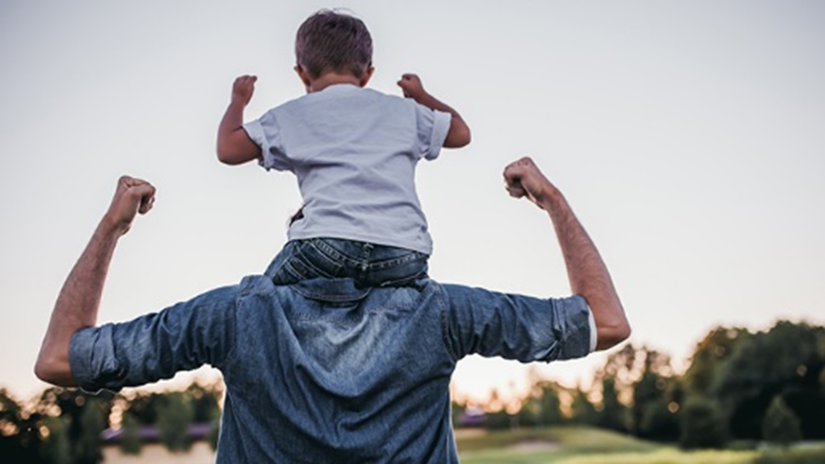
(610, 336)
(53, 371)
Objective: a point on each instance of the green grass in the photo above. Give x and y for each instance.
(666, 456)
(582, 445)
(578, 438)
(569, 442)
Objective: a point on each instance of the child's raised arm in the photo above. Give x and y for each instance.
(234, 145)
(459, 134)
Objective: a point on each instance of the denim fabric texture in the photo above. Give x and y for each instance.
(325, 371)
(371, 265)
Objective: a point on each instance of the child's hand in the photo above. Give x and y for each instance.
(243, 88)
(412, 87)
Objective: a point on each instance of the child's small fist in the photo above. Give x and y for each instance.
(411, 85)
(243, 88)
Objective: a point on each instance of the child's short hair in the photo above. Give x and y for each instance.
(330, 41)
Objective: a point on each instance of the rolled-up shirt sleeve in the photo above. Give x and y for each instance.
(518, 327)
(156, 346)
(266, 133)
(433, 127)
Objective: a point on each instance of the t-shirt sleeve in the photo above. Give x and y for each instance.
(519, 327)
(433, 127)
(156, 346)
(266, 133)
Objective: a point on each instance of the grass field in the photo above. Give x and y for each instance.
(579, 445)
(557, 445)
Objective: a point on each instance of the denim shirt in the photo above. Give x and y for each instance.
(323, 371)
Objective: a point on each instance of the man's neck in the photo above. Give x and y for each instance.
(331, 78)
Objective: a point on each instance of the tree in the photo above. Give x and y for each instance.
(549, 405)
(786, 359)
(543, 406)
(456, 410)
(822, 381)
(498, 420)
(205, 399)
(623, 367)
(781, 424)
(650, 401)
(145, 407)
(709, 357)
(20, 439)
(130, 442)
(56, 447)
(658, 422)
(92, 423)
(702, 427)
(174, 421)
(87, 416)
(633, 378)
(613, 413)
(583, 410)
(214, 431)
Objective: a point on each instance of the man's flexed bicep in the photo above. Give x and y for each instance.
(156, 346)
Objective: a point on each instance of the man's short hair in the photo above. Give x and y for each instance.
(331, 41)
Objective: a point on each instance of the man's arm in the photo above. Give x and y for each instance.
(234, 145)
(587, 272)
(77, 305)
(459, 134)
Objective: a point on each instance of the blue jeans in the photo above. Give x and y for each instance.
(369, 264)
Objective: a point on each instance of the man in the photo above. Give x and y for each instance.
(323, 370)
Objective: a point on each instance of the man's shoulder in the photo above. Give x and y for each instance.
(255, 284)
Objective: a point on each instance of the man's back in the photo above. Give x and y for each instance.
(323, 371)
(337, 374)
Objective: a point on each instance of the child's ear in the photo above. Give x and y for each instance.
(366, 76)
(304, 75)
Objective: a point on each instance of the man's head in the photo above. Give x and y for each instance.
(333, 42)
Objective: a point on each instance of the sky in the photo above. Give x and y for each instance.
(689, 138)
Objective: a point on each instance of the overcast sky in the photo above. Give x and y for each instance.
(689, 137)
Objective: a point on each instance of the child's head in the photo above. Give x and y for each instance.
(329, 41)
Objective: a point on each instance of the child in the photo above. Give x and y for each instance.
(354, 151)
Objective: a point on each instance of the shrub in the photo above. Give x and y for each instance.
(781, 424)
(702, 425)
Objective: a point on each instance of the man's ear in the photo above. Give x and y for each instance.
(304, 75)
(366, 76)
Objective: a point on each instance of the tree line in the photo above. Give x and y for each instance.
(66, 426)
(739, 389)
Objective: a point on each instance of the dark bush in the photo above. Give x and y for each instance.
(702, 426)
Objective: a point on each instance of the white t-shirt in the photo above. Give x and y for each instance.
(354, 152)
